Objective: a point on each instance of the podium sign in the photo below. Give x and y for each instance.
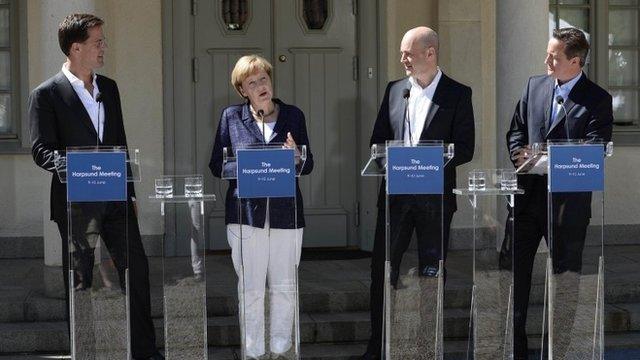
(415, 170)
(96, 176)
(576, 168)
(266, 173)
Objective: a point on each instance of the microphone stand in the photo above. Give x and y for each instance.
(407, 120)
(560, 102)
(99, 101)
(264, 135)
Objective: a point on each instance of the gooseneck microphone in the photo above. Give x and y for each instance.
(560, 102)
(99, 101)
(406, 93)
(264, 134)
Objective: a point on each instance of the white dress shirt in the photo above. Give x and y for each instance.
(94, 109)
(420, 101)
(562, 90)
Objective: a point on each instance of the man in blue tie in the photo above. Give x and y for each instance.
(563, 104)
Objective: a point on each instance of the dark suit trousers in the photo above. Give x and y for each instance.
(109, 221)
(530, 225)
(408, 213)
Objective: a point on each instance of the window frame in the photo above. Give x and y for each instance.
(599, 57)
(18, 141)
(621, 135)
(593, 41)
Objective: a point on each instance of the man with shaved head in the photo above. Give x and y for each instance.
(424, 105)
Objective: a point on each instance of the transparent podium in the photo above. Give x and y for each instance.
(263, 180)
(492, 295)
(184, 277)
(99, 220)
(414, 278)
(575, 265)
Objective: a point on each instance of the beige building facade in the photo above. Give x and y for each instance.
(493, 46)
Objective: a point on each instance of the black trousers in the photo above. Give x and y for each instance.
(111, 221)
(408, 213)
(570, 221)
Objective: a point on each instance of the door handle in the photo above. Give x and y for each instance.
(282, 58)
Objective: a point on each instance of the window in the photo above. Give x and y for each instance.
(7, 126)
(623, 62)
(573, 13)
(611, 27)
(315, 13)
(235, 14)
(13, 77)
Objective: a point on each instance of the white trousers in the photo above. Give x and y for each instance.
(266, 255)
(195, 237)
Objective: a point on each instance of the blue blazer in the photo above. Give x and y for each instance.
(238, 127)
(589, 116)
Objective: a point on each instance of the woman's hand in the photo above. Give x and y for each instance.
(291, 144)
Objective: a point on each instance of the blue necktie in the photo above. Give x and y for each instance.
(552, 118)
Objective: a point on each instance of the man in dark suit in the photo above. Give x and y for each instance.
(539, 117)
(439, 108)
(77, 107)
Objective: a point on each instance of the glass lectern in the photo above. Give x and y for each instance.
(184, 277)
(492, 296)
(99, 224)
(266, 177)
(575, 265)
(414, 277)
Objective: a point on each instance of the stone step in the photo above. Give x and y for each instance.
(314, 328)
(18, 304)
(618, 346)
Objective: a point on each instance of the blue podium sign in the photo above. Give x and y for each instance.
(575, 168)
(96, 176)
(266, 173)
(415, 170)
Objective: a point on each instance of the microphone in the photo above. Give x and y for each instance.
(406, 93)
(264, 134)
(560, 102)
(99, 101)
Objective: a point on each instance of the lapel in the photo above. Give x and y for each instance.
(398, 108)
(108, 135)
(281, 121)
(250, 123)
(547, 100)
(438, 96)
(72, 100)
(575, 94)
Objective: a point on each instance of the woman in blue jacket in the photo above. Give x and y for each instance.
(269, 250)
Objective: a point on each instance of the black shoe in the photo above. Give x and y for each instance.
(369, 356)
(429, 271)
(156, 356)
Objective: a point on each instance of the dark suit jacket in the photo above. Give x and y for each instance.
(57, 120)
(449, 119)
(238, 127)
(589, 117)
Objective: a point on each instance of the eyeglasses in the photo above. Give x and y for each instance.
(100, 43)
